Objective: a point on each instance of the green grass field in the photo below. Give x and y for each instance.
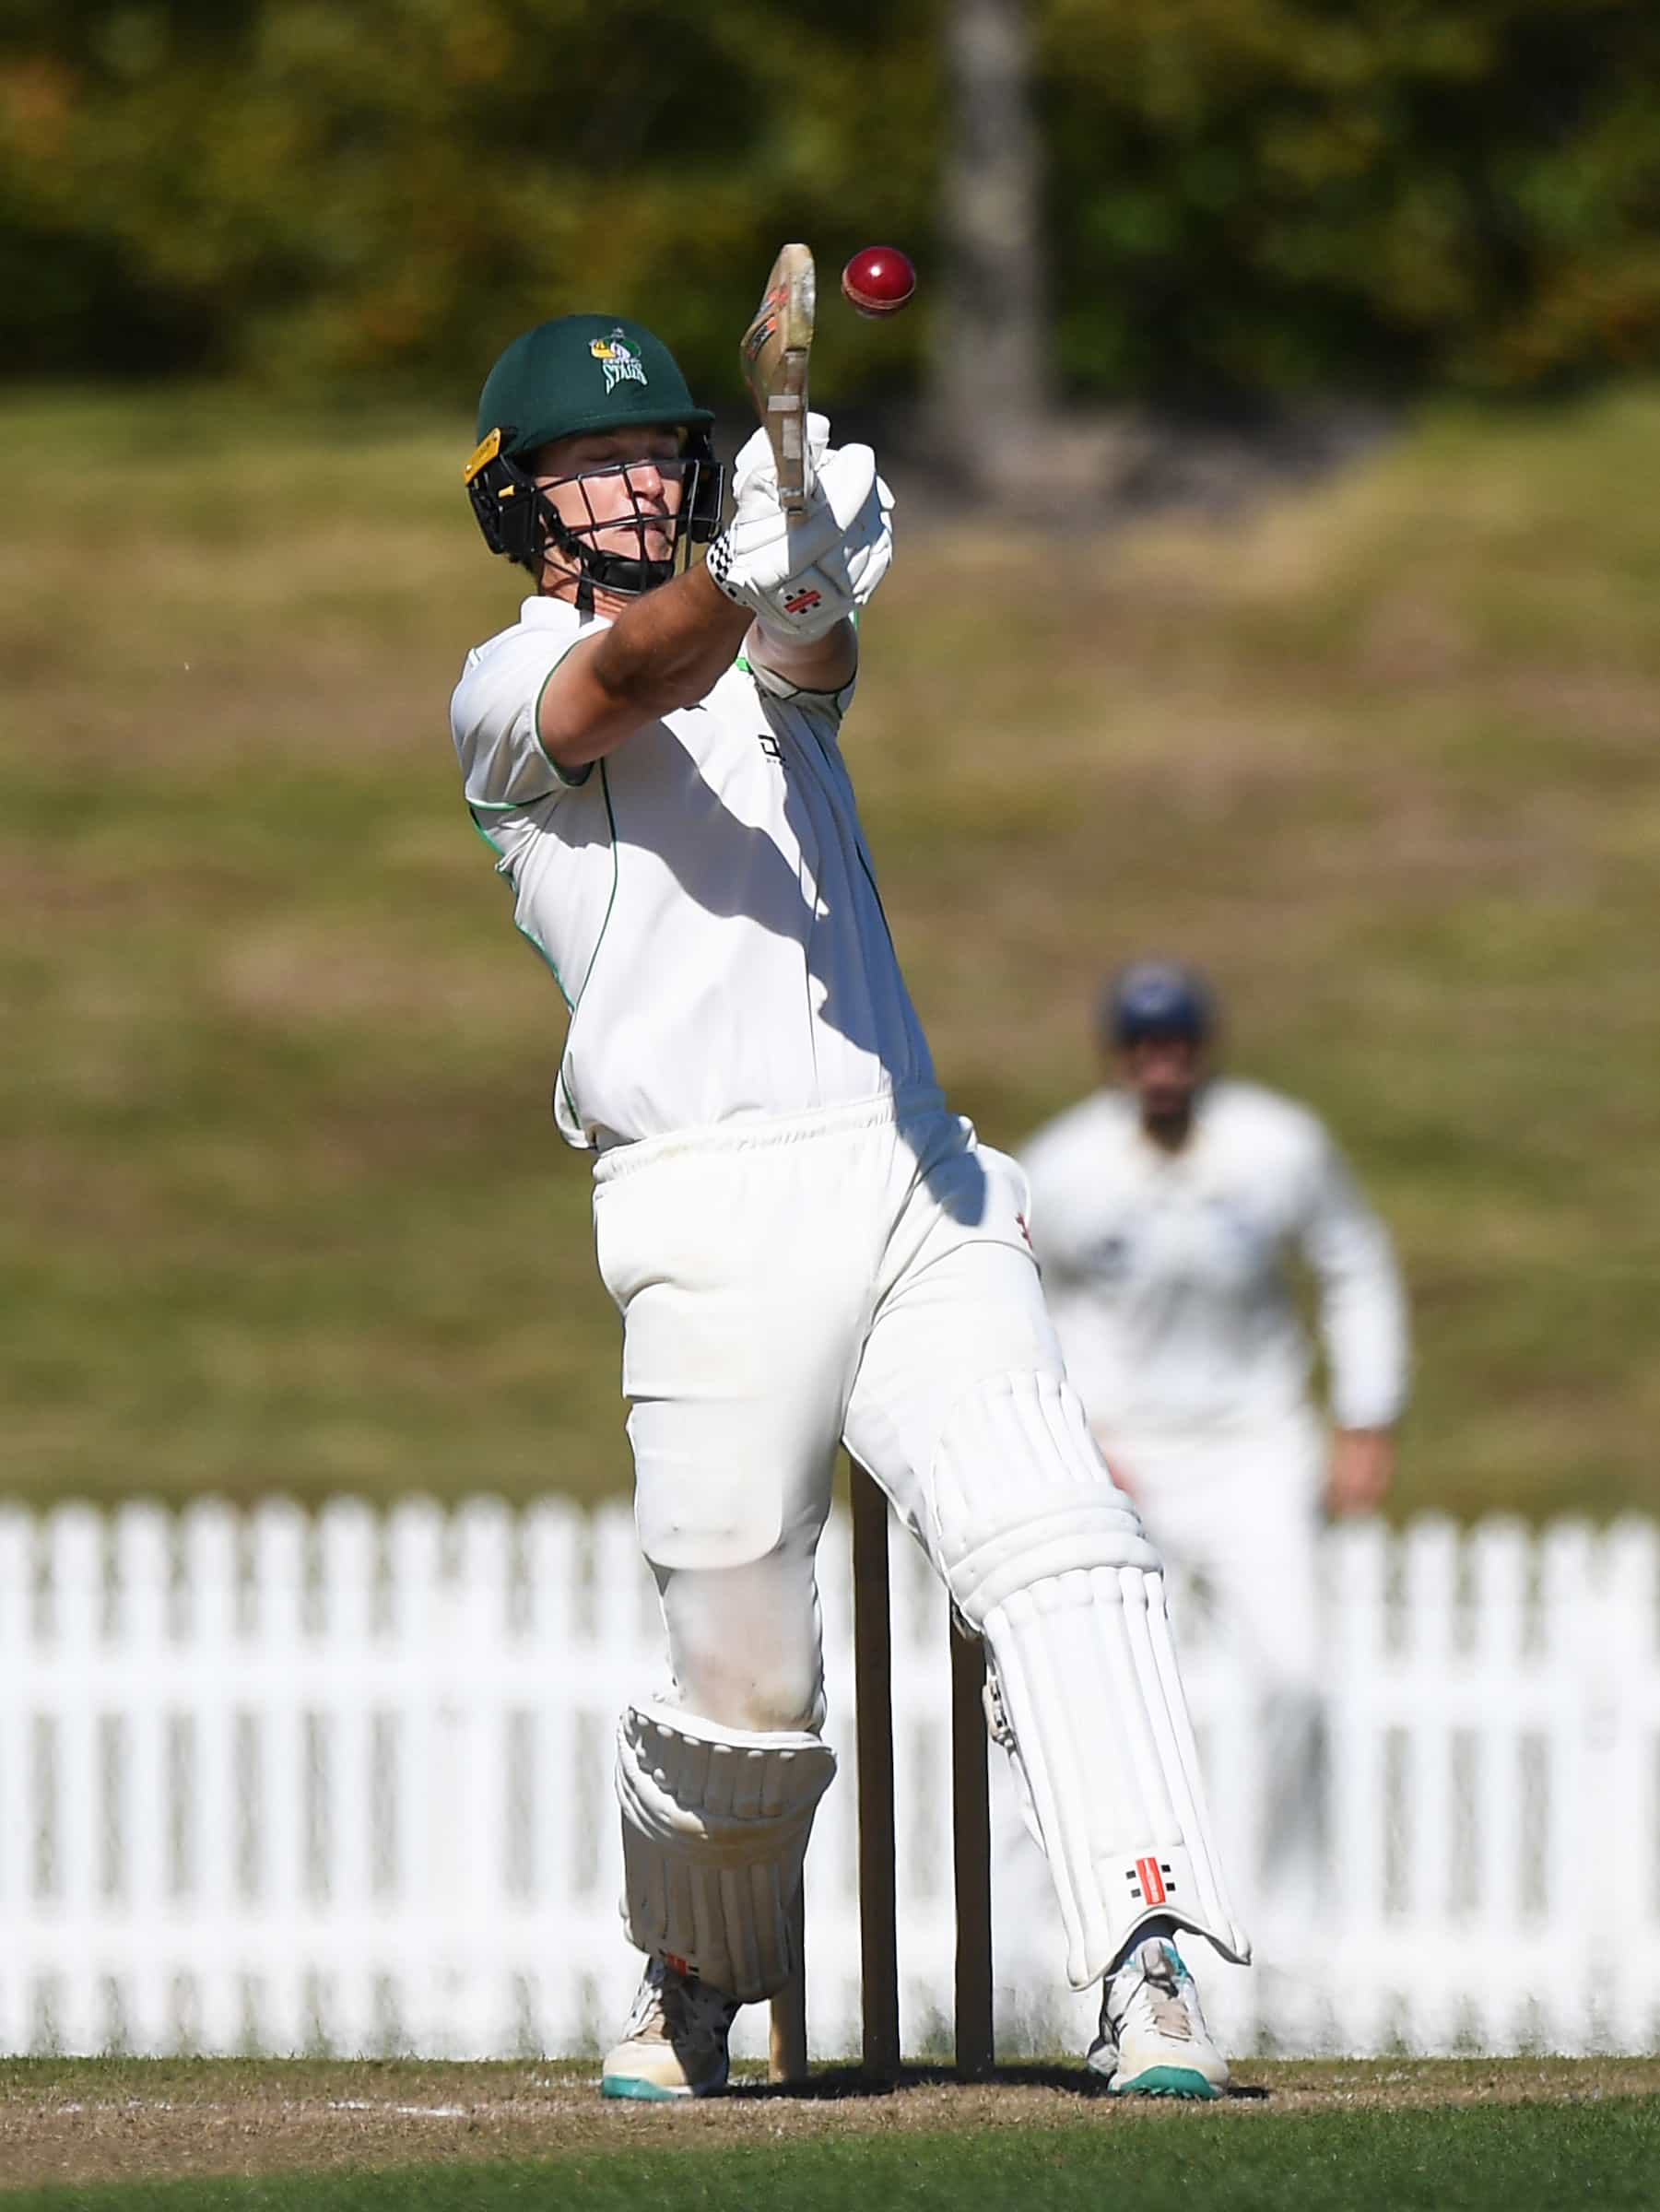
(1525, 2135)
(287, 1209)
(1532, 2161)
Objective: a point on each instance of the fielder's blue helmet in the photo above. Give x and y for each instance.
(1157, 998)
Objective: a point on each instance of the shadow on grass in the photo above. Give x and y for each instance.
(828, 2085)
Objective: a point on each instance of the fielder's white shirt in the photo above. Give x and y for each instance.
(1167, 1275)
(703, 896)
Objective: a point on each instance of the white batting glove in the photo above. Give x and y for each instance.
(803, 577)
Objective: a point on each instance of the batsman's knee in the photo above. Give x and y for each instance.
(744, 1645)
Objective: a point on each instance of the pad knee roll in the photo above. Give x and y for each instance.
(1045, 1557)
(715, 1830)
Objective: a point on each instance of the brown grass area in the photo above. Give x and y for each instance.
(284, 1191)
(87, 2121)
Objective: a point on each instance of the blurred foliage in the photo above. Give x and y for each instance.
(1245, 195)
(298, 190)
(1274, 195)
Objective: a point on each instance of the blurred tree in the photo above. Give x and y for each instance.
(1270, 195)
(992, 388)
(1245, 195)
(302, 193)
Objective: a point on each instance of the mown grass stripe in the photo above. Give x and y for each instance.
(1511, 2158)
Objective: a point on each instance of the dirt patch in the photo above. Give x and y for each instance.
(129, 2120)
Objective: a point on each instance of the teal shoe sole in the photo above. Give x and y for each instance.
(1166, 2081)
(647, 2093)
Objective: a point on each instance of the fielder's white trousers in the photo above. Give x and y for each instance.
(1238, 1505)
(785, 1286)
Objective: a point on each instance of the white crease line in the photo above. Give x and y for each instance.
(402, 2112)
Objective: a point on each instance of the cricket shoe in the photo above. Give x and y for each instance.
(674, 2043)
(1152, 2041)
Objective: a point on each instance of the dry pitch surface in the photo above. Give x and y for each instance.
(80, 2122)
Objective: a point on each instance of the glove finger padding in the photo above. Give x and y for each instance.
(848, 576)
(867, 544)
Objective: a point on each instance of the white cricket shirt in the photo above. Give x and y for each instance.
(1167, 1273)
(703, 896)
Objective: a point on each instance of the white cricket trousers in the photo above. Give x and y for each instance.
(787, 1285)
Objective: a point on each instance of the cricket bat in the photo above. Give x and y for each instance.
(774, 357)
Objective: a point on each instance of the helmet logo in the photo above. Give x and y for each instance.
(621, 364)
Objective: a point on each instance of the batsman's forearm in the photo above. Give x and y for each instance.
(666, 650)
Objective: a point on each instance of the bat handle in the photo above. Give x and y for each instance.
(790, 447)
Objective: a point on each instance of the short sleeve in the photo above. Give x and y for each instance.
(828, 708)
(493, 720)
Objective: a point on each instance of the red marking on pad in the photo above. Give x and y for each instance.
(1152, 1881)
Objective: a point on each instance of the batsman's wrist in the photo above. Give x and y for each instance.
(720, 565)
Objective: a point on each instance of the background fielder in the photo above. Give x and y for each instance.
(1167, 1208)
(804, 1246)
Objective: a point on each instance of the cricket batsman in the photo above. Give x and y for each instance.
(805, 1246)
(1169, 1209)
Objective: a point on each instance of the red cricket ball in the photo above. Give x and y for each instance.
(879, 280)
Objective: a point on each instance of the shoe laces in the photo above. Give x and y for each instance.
(1162, 1987)
(677, 2009)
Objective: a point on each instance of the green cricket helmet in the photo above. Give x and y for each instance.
(580, 373)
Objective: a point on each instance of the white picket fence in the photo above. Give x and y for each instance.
(271, 1783)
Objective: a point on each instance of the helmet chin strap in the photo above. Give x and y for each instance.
(628, 577)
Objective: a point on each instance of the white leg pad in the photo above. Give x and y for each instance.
(715, 1830)
(1045, 1557)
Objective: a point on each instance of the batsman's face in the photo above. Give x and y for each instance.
(619, 490)
(1164, 1073)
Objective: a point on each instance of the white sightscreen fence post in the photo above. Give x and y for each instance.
(142, 1902)
(1499, 1887)
(19, 1658)
(555, 1848)
(418, 1807)
(202, 1777)
(1567, 1622)
(342, 1752)
(67, 1760)
(1359, 1559)
(1421, 1850)
(1622, 1763)
(482, 2013)
(277, 2013)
